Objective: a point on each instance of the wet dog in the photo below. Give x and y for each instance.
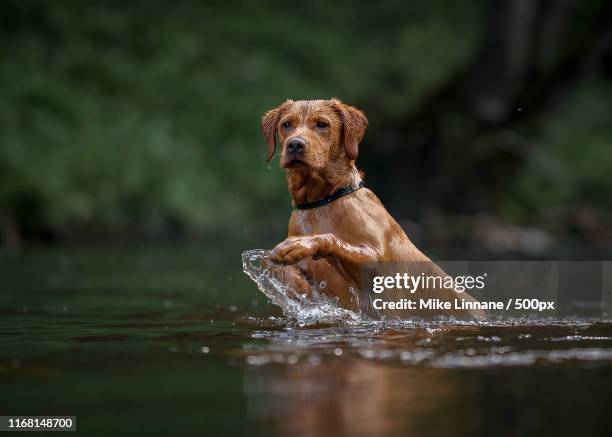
(338, 227)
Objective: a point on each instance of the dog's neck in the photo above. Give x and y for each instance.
(309, 185)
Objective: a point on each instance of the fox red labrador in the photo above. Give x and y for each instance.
(337, 226)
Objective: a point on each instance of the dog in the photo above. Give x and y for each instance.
(338, 227)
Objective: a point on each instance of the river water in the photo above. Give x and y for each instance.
(178, 341)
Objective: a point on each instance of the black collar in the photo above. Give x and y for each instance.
(340, 192)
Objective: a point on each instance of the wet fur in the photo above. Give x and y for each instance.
(332, 243)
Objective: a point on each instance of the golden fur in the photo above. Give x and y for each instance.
(333, 242)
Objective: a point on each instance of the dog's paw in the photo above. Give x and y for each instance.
(295, 249)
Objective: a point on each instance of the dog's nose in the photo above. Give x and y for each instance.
(296, 146)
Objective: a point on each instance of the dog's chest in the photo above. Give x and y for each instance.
(334, 219)
(317, 221)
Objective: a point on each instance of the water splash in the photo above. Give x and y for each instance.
(304, 310)
(318, 308)
(443, 343)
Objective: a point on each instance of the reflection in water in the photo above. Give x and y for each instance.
(356, 397)
(386, 379)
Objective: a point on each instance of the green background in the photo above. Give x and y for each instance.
(140, 120)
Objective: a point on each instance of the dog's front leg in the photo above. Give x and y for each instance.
(295, 249)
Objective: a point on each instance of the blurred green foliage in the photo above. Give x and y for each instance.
(570, 161)
(114, 113)
(145, 114)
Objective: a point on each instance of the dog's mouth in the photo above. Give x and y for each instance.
(295, 163)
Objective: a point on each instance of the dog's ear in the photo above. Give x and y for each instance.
(269, 121)
(354, 125)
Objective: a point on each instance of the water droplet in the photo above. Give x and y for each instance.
(205, 349)
(255, 360)
(338, 352)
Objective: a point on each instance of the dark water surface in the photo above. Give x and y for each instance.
(178, 341)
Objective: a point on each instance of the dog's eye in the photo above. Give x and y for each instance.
(287, 124)
(322, 124)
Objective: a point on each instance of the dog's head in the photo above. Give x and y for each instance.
(314, 133)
